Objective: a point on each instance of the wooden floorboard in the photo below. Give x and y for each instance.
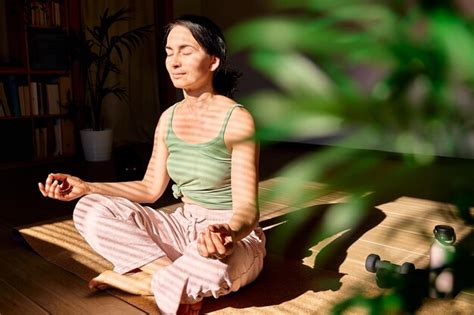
(13, 302)
(25, 276)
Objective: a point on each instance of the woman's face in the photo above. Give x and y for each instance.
(188, 64)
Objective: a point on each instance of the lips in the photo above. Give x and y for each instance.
(177, 75)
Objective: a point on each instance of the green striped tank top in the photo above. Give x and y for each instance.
(201, 171)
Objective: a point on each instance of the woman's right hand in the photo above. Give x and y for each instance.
(63, 187)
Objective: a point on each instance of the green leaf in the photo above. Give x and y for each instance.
(457, 41)
(295, 73)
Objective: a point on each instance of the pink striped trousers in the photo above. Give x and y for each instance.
(130, 235)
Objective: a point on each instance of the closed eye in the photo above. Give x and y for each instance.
(184, 50)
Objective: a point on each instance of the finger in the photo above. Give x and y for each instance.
(201, 247)
(49, 181)
(224, 232)
(211, 248)
(218, 228)
(57, 192)
(218, 244)
(52, 188)
(60, 176)
(41, 188)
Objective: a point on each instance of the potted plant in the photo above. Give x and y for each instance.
(100, 53)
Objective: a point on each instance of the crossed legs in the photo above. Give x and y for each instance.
(127, 234)
(136, 282)
(140, 242)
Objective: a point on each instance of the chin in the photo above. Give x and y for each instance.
(177, 85)
(183, 84)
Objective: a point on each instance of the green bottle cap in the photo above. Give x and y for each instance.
(445, 234)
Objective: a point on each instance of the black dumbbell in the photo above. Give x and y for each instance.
(373, 263)
(387, 274)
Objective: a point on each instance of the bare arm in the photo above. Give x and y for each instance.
(147, 190)
(244, 174)
(153, 184)
(217, 240)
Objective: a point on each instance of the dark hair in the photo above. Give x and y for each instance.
(210, 37)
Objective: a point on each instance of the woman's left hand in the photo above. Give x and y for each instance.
(216, 241)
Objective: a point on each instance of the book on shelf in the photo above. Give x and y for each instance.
(4, 101)
(45, 13)
(68, 137)
(34, 99)
(55, 139)
(21, 100)
(24, 99)
(11, 91)
(65, 97)
(27, 100)
(35, 82)
(43, 98)
(49, 98)
(52, 97)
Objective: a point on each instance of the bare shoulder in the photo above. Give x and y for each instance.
(226, 103)
(223, 102)
(166, 114)
(241, 124)
(162, 124)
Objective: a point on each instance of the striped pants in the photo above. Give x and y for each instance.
(130, 235)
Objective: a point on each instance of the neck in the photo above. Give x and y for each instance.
(199, 94)
(197, 99)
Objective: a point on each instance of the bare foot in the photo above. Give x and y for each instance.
(190, 309)
(138, 283)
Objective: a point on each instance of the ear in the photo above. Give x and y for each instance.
(215, 62)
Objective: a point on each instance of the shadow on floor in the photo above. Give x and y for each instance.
(284, 276)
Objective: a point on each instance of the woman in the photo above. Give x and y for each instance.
(212, 245)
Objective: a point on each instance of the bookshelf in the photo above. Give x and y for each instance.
(36, 81)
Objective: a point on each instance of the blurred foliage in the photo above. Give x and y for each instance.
(419, 95)
(391, 76)
(382, 75)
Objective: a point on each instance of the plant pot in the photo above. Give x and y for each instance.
(97, 145)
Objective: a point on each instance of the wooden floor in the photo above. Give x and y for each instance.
(31, 285)
(28, 283)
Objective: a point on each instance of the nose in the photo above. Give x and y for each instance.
(174, 60)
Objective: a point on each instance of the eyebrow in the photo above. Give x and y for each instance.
(181, 47)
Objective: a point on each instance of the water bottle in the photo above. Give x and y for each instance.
(442, 255)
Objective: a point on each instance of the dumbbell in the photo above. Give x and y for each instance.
(373, 263)
(387, 274)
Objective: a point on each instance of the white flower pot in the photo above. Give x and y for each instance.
(97, 145)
